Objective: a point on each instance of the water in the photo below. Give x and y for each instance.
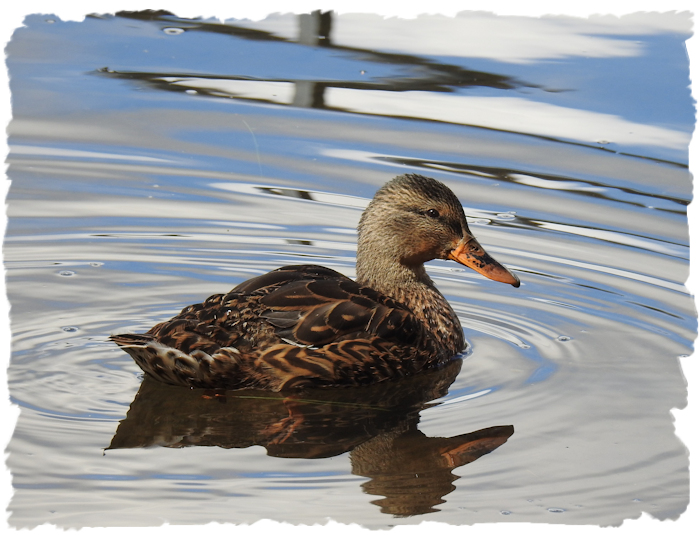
(156, 161)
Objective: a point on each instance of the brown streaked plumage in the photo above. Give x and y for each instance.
(310, 326)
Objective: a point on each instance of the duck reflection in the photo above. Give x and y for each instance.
(378, 425)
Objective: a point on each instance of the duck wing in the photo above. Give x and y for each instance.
(327, 307)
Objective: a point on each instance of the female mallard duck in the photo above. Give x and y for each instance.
(301, 326)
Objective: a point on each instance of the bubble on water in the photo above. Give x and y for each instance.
(50, 21)
(97, 264)
(564, 338)
(69, 329)
(191, 91)
(508, 216)
(603, 142)
(684, 356)
(66, 273)
(556, 510)
(173, 31)
(505, 512)
(481, 221)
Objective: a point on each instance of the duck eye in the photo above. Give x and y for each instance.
(433, 213)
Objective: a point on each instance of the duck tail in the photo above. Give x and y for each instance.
(196, 369)
(131, 340)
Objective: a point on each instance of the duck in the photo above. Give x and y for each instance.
(308, 326)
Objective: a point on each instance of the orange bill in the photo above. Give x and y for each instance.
(469, 253)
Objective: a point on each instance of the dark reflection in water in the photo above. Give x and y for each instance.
(376, 424)
(422, 74)
(413, 472)
(598, 189)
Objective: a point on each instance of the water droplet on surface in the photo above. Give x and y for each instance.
(66, 273)
(556, 510)
(564, 338)
(69, 329)
(173, 31)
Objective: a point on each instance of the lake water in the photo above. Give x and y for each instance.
(155, 161)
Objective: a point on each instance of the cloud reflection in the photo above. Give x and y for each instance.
(486, 35)
(510, 114)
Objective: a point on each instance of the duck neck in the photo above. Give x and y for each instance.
(412, 287)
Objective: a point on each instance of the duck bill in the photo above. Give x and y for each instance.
(469, 253)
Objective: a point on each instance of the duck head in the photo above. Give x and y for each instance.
(413, 219)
